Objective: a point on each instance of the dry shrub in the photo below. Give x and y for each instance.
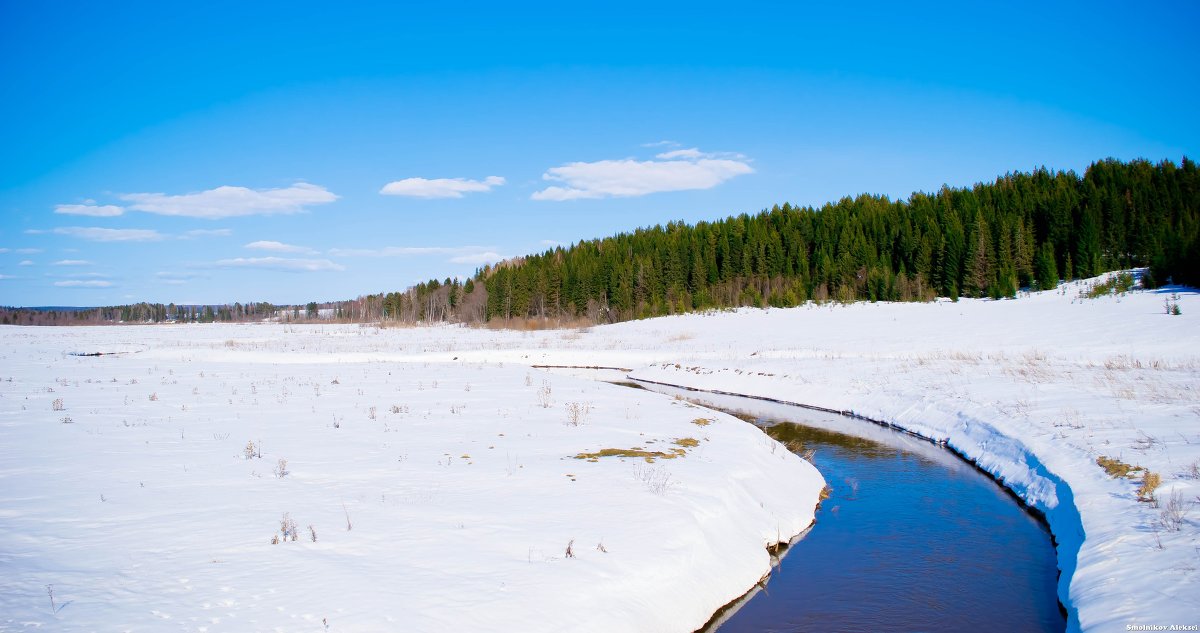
(577, 412)
(287, 527)
(1150, 481)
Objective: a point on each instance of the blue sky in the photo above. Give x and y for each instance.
(216, 152)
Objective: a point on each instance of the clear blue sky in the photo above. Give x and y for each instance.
(217, 152)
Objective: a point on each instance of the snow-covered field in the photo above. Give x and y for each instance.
(145, 513)
(147, 491)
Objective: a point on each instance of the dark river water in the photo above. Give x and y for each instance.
(912, 538)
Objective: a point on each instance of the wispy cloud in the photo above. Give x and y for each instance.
(675, 154)
(79, 283)
(72, 262)
(440, 187)
(26, 262)
(174, 278)
(206, 233)
(3, 276)
(280, 263)
(279, 247)
(663, 143)
(28, 251)
(98, 234)
(93, 210)
(676, 170)
(228, 202)
(404, 251)
(489, 257)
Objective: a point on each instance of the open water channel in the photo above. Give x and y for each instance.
(912, 538)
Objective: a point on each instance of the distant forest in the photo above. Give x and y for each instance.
(1025, 230)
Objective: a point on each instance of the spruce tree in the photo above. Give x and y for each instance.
(1044, 268)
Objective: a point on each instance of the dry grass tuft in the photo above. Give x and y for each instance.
(1150, 481)
(1117, 468)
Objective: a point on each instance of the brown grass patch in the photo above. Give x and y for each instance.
(683, 443)
(1117, 468)
(580, 324)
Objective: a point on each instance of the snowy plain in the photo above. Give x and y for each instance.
(145, 513)
(144, 490)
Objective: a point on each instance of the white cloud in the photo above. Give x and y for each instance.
(173, 278)
(72, 262)
(663, 143)
(96, 211)
(551, 243)
(26, 262)
(404, 251)
(439, 187)
(97, 234)
(3, 250)
(489, 257)
(28, 251)
(677, 170)
(77, 283)
(691, 152)
(206, 233)
(279, 247)
(3, 276)
(280, 263)
(227, 202)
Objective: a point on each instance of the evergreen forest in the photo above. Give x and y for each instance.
(1023, 231)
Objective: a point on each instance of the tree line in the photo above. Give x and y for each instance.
(140, 313)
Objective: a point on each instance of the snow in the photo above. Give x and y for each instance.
(443, 494)
(456, 526)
